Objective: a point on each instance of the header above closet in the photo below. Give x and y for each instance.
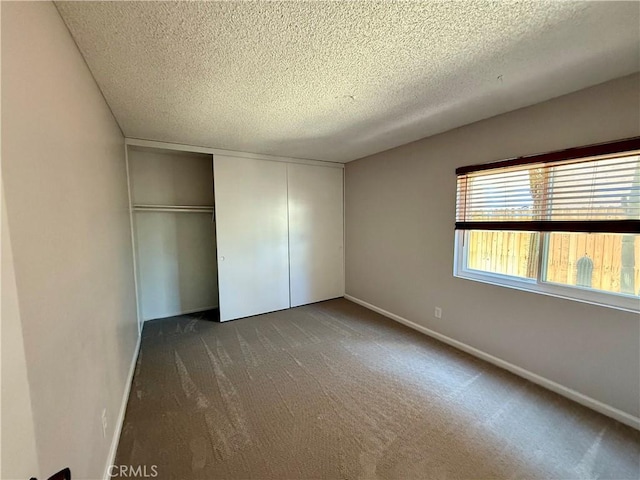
(153, 144)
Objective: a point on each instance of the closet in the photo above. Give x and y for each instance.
(253, 244)
(174, 231)
(245, 234)
(316, 233)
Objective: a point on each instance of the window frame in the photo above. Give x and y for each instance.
(619, 301)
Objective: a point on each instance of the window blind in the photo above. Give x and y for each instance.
(586, 189)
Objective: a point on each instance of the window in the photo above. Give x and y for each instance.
(564, 223)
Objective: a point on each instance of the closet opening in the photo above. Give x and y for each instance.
(174, 232)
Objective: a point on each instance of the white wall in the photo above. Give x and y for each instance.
(400, 209)
(64, 175)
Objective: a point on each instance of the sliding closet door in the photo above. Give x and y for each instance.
(315, 233)
(252, 236)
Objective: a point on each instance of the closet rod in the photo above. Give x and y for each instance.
(175, 207)
(171, 208)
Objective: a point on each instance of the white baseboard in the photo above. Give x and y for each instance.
(123, 409)
(521, 372)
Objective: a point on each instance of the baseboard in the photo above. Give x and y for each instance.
(567, 392)
(123, 409)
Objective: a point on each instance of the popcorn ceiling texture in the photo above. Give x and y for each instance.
(340, 80)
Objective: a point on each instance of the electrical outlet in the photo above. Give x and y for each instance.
(104, 423)
(438, 312)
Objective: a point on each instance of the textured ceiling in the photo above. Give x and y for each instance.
(340, 80)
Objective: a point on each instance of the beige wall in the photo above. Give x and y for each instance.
(64, 175)
(17, 440)
(400, 208)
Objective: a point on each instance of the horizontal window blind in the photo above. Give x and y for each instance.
(554, 192)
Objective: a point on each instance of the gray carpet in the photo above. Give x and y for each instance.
(335, 391)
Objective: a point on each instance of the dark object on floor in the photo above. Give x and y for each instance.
(64, 474)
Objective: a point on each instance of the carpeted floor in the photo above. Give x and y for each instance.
(335, 391)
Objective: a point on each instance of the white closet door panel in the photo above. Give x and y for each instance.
(316, 240)
(251, 228)
(176, 256)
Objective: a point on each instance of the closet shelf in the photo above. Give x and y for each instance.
(173, 208)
